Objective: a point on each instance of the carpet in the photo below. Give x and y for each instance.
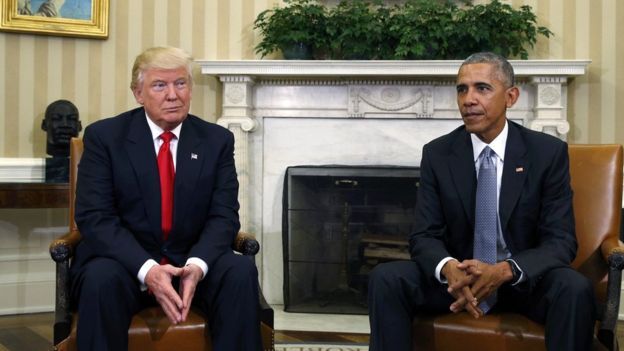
(320, 347)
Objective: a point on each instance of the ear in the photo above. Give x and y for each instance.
(44, 125)
(511, 97)
(137, 95)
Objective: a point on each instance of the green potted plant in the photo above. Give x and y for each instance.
(356, 29)
(294, 29)
(497, 27)
(414, 30)
(422, 29)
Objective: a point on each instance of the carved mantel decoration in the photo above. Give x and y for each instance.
(352, 112)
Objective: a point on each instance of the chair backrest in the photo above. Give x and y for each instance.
(596, 178)
(75, 153)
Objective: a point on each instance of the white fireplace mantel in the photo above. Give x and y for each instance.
(397, 68)
(286, 113)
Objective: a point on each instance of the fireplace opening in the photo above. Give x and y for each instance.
(338, 223)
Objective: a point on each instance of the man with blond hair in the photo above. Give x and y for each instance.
(156, 204)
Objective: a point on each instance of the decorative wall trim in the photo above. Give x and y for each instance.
(22, 170)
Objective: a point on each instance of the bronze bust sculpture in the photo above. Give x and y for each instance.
(61, 123)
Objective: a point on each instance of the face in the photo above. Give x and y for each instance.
(166, 96)
(483, 100)
(61, 124)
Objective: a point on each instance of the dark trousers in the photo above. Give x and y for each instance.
(108, 296)
(562, 300)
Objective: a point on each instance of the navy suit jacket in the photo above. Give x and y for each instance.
(535, 206)
(118, 193)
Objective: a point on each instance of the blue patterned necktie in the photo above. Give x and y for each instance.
(486, 219)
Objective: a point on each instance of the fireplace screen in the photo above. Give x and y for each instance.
(338, 223)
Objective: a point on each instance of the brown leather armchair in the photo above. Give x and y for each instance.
(150, 329)
(596, 176)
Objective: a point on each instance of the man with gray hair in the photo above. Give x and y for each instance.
(494, 226)
(156, 204)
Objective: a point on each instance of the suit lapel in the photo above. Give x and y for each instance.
(462, 169)
(140, 148)
(188, 167)
(515, 170)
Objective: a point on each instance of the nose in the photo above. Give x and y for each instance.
(469, 97)
(64, 122)
(171, 92)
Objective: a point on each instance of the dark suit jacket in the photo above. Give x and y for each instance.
(118, 193)
(535, 205)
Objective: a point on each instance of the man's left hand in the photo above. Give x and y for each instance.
(190, 276)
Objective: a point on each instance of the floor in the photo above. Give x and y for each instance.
(34, 331)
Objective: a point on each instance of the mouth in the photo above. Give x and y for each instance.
(472, 115)
(172, 109)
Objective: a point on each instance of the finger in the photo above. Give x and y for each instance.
(172, 313)
(474, 270)
(464, 299)
(458, 304)
(470, 298)
(484, 293)
(187, 290)
(173, 296)
(172, 270)
(473, 310)
(463, 281)
(185, 312)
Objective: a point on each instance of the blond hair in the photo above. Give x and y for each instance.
(160, 57)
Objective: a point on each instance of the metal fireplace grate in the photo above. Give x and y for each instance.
(338, 223)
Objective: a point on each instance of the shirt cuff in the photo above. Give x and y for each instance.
(199, 263)
(143, 271)
(438, 271)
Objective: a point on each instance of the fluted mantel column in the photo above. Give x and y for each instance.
(237, 117)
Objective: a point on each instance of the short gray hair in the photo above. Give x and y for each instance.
(504, 70)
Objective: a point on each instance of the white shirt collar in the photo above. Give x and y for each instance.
(497, 145)
(157, 131)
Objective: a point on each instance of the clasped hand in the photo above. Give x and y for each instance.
(471, 281)
(176, 305)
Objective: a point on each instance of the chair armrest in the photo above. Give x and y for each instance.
(246, 244)
(62, 249)
(613, 251)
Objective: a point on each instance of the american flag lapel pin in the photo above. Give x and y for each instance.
(193, 156)
(519, 169)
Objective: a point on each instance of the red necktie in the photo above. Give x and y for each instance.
(167, 174)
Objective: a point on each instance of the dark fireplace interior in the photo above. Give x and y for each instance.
(338, 223)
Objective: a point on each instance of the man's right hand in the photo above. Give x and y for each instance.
(158, 280)
(459, 282)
